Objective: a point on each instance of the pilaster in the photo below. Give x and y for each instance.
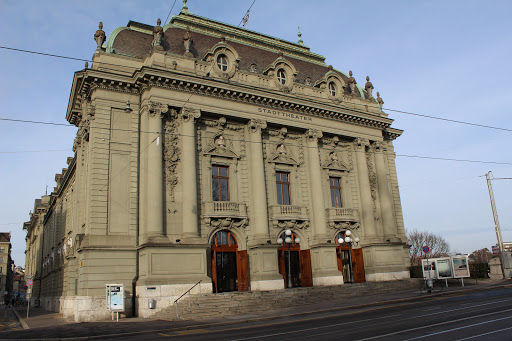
(189, 173)
(259, 212)
(317, 195)
(154, 228)
(386, 203)
(368, 217)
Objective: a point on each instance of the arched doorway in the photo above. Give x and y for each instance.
(294, 262)
(350, 260)
(229, 266)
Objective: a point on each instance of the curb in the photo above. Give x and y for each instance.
(23, 323)
(218, 324)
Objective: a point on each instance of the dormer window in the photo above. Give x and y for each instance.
(222, 62)
(281, 76)
(332, 89)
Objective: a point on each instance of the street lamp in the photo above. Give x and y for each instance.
(288, 240)
(349, 242)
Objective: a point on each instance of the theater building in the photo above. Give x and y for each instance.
(199, 145)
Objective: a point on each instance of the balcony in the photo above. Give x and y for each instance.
(342, 214)
(225, 209)
(289, 212)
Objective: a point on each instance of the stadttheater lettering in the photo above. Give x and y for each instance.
(285, 114)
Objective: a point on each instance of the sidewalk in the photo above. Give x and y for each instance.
(49, 325)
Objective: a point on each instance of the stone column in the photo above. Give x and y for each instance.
(259, 216)
(317, 194)
(386, 202)
(370, 230)
(189, 173)
(154, 175)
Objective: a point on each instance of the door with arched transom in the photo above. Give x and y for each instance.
(295, 263)
(229, 266)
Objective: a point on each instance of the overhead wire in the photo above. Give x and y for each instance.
(341, 105)
(247, 141)
(168, 15)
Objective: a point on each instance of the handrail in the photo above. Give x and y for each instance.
(186, 292)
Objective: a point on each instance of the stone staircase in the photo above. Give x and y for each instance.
(207, 306)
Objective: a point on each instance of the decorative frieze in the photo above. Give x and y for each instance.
(172, 152)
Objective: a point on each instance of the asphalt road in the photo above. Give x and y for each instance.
(484, 315)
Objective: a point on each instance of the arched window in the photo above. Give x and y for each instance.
(281, 76)
(222, 62)
(224, 238)
(332, 89)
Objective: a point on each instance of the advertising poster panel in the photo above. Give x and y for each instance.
(429, 268)
(444, 268)
(460, 266)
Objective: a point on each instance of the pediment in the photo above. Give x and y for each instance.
(283, 159)
(221, 151)
(337, 165)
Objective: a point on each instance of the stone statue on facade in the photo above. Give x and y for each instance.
(220, 141)
(379, 100)
(352, 83)
(158, 33)
(281, 150)
(187, 42)
(100, 36)
(334, 157)
(368, 86)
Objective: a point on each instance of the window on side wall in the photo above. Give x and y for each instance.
(283, 188)
(220, 183)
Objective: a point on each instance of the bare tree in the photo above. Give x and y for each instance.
(438, 246)
(480, 256)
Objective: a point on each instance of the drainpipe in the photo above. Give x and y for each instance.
(136, 278)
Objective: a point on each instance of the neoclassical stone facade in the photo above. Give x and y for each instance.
(199, 144)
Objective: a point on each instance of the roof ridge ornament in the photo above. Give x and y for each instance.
(100, 36)
(184, 8)
(300, 35)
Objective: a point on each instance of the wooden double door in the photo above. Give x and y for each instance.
(229, 266)
(299, 266)
(343, 258)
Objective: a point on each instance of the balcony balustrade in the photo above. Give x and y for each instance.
(289, 212)
(225, 209)
(342, 214)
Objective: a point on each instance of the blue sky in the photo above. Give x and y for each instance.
(450, 59)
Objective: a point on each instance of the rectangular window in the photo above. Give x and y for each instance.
(335, 184)
(1, 270)
(220, 183)
(283, 188)
(2, 250)
(1, 259)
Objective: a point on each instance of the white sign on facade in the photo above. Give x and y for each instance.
(115, 297)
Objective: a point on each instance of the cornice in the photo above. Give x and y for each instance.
(147, 78)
